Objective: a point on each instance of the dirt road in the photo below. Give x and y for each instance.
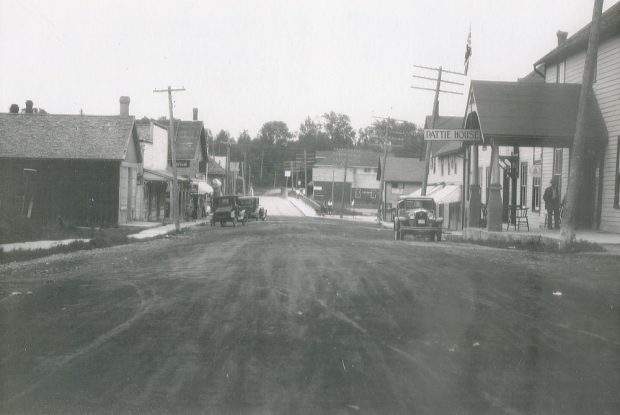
(309, 316)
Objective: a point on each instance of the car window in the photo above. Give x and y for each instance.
(419, 204)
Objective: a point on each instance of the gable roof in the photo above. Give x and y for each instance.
(525, 113)
(189, 135)
(610, 26)
(449, 147)
(402, 169)
(214, 168)
(356, 158)
(80, 137)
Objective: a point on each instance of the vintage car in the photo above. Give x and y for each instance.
(227, 209)
(253, 210)
(416, 216)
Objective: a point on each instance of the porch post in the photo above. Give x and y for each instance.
(473, 220)
(494, 215)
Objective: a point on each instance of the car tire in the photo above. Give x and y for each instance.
(222, 223)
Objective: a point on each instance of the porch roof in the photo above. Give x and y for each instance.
(523, 113)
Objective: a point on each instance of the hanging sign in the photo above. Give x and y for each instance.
(287, 173)
(452, 135)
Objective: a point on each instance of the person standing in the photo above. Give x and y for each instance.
(552, 205)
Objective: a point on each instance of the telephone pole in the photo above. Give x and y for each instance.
(386, 144)
(305, 172)
(174, 198)
(437, 90)
(569, 219)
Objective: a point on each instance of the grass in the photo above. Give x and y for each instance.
(541, 246)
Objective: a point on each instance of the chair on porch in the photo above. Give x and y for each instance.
(519, 219)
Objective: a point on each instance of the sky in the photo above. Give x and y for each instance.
(244, 63)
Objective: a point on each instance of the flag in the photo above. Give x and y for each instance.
(467, 51)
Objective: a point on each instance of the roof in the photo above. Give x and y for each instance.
(610, 26)
(188, 135)
(403, 169)
(82, 137)
(356, 158)
(532, 77)
(450, 193)
(215, 168)
(449, 147)
(524, 113)
(144, 131)
(444, 121)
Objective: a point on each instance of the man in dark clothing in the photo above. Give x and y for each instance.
(552, 205)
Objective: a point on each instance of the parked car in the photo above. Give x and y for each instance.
(250, 204)
(227, 209)
(416, 216)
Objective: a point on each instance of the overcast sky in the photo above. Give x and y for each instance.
(247, 62)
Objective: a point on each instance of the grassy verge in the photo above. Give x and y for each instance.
(540, 246)
(99, 239)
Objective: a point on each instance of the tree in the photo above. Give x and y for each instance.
(274, 132)
(312, 136)
(14, 109)
(221, 139)
(244, 138)
(339, 130)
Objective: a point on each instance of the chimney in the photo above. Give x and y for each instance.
(124, 101)
(195, 118)
(561, 37)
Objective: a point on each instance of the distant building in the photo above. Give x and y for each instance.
(361, 186)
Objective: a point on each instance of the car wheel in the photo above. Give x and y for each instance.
(222, 223)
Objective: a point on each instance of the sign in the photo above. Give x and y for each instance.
(536, 170)
(287, 173)
(318, 188)
(452, 135)
(182, 163)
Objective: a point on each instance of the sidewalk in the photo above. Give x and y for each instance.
(152, 231)
(302, 207)
(165, 229)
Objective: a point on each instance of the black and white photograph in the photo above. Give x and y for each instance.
(310, 207)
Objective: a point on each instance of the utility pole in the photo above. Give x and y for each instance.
(437, 90)
(386, 144)
(344, 183)
(245, 170)
(305, 172)
(174, 198)
(569, 219)
(227, 187)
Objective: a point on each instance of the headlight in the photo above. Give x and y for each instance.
(431, 215)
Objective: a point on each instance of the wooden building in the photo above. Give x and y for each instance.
(80, 169)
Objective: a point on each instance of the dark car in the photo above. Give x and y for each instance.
(227, 209)
(250, 205)
(416, 216)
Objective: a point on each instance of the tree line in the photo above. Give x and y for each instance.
(275, 143)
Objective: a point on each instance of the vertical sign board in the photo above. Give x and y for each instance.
(452, 135)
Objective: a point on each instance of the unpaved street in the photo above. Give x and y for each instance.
(309, 316)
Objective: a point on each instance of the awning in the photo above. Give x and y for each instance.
(202, 188)
(530, 114)
(442, 194)
(157, 176)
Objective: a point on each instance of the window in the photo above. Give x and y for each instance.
(523, 178)
(456, 166)
(373, 195)
(560, 72)
(557, 169)
(449, 164)
(536, 179)
(442, 167)
(617, 191)
(358, 193)
(367, 170)
(434, 165)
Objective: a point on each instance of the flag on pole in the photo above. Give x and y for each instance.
(467, 51)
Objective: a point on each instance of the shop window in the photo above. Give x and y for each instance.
(523, 178)
(536, 181)
(617, 190)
